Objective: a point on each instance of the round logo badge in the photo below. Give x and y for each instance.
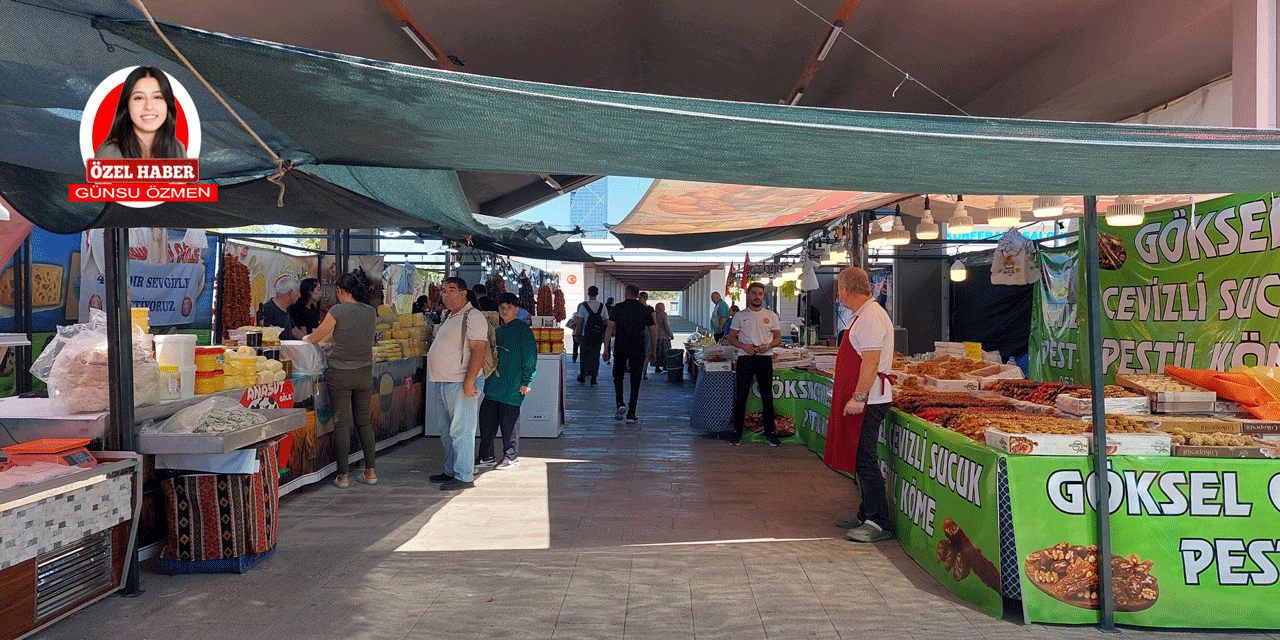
(572, 279)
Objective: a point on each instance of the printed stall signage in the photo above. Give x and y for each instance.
(1193, 540)
(1194, 286)
(942, 490)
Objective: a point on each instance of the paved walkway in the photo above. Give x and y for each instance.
(610, 531)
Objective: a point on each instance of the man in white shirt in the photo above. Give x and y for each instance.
(870, 334)
(755, 332)
(453, 364)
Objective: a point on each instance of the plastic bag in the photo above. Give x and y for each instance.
(74, 365)
(188, 420)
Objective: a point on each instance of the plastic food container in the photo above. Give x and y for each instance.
(141, 316)
(253, 338)
(176, 349)
(544, 347)
(270, 353)
(207, 358)
(170, 386)
(557, 347)
(208, 382)
(187, 380)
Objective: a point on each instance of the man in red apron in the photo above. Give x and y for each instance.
(859, 402)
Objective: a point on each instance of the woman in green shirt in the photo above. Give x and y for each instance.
(507, 386)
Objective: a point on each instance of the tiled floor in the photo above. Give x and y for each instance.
(610, 531)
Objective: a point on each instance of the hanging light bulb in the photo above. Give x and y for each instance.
(876, 238)
(960, 221)
(839, 256)
(899, 236)
(1047, 206)
(1125, 212)
(1004, 214)
(958, 271)
(927, 229)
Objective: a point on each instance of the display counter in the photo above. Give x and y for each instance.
(64, 542)
(1192, 538)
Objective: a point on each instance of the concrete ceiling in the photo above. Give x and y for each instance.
(1088, 60)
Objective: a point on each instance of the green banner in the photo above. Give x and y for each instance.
(802, 396)
(1193, 540)
(1056, 351)
(1195, 286)
(942, 489)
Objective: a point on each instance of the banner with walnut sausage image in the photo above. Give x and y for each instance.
(1193, 540)
(942, 490)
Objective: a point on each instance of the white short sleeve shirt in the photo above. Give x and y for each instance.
(447, 360)
(755, 327)
(872, 330)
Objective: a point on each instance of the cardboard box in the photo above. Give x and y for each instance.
(950, 385)
(1143, 383)
(1253, 425)
(1137, 444)
(1193, 406)
(1233, 408)
(988, 375)
(1261, 451)
(1038, 444)
(1084, 406)
(1194, 424)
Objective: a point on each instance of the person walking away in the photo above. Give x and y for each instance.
(663, 324)
(860, 400)
(483, 302)
(592, 316)
(306, 311)
(719, 315)
(507, 386)
(649, 343)
(576, 333)
(453, 364)
(629, 322)
(350, 372)
(755, 333)
(275, 312)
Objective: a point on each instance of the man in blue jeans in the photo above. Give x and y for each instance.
(453, 365)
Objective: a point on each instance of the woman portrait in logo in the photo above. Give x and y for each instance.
(145, 122)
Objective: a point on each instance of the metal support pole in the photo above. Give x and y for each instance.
(22, 316)
(1101, 468)
(120, 361)
(860, 228)
(344, 259)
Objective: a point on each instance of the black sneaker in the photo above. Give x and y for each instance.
(593, 382)
(440, 477)
(773, 441)
(485, 463)
(621, 412)
(455, 484)
(734, 441)
(632, 419)
(581, 379)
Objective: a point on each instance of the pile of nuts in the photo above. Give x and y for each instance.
(946, 367)
(1184, 437)
(1069, 573)
(1108, 391)
(1162, 382)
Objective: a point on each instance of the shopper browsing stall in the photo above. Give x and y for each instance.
(506, 387)
(306, 311)
(858, 405)
(755, 333)
(350, 372)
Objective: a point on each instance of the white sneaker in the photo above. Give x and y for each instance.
(508, 464)
(621, 412)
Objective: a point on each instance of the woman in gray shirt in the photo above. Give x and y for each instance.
(350, 373)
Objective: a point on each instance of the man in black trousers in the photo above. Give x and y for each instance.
(754, 332)
(630, 322)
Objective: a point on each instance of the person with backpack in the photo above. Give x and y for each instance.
(457, 356)
(592, 316)
(506, 387)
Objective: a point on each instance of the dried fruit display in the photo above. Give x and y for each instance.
(913, 401)
(1160, 382)
(544, 300)
(558, 306)
(1108, 391)
(1030, 391)
(1069, 573)
(783, 426)
(900, 361)
(234, 299)
(433, 295)
(526, 293)
(946, 367)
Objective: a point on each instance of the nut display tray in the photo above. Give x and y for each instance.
(279, 421)
(1039, 444)
(1084, 406)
